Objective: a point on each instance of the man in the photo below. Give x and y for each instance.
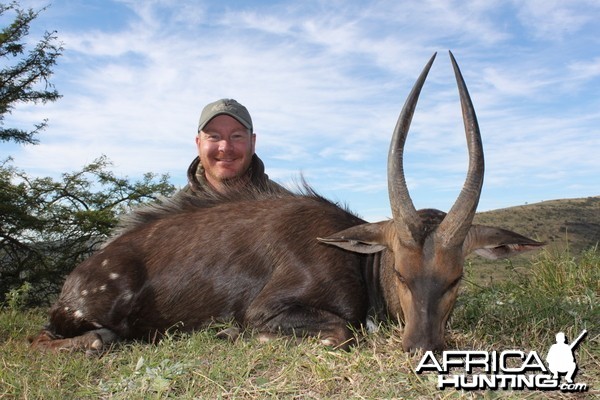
(226, 158)
(560, 357)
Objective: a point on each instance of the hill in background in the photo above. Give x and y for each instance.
(567, 224)
(575, 222)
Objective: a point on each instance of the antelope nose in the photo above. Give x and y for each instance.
(424, 344)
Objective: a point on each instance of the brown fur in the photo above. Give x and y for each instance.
(188, 263)
(254, 258)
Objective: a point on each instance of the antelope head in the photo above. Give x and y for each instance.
(423, 265)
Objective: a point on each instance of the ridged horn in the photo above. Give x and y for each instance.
(455, 226)
(406, 220)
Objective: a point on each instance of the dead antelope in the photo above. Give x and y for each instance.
(254, 258)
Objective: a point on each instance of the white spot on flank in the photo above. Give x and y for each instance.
(113, 275)
(78, 314)
(67, 308)
(372, 327)
(84, 292)
(105, 263)
(102, 288)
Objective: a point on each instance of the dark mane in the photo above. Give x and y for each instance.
(184, 202)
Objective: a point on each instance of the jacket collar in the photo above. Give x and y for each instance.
(198, 183)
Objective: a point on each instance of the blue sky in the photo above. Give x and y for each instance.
(324, 82)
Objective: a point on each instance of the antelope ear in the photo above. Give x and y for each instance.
(494, 243)
(364, 239)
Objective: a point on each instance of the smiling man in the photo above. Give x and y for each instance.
(226, 158)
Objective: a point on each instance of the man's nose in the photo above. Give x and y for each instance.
(225, 145)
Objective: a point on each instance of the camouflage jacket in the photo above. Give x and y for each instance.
(198, 185)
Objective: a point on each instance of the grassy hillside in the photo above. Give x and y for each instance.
(575, 222)
(568, 225)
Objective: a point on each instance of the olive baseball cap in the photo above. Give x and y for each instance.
(228, 107)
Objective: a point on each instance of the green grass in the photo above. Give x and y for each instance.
(556, 292)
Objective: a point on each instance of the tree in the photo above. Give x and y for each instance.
(47, 227)
(24, 73)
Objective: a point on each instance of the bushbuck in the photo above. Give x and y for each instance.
(276, 263)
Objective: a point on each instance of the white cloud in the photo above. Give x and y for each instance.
(585, 70)
(325, 81)
(556, 19)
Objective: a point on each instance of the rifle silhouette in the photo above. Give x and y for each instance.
(576, 341)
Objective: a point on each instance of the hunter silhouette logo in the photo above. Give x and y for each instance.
(508, 369)
(560, 357)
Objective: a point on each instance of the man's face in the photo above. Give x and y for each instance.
(225, 147)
